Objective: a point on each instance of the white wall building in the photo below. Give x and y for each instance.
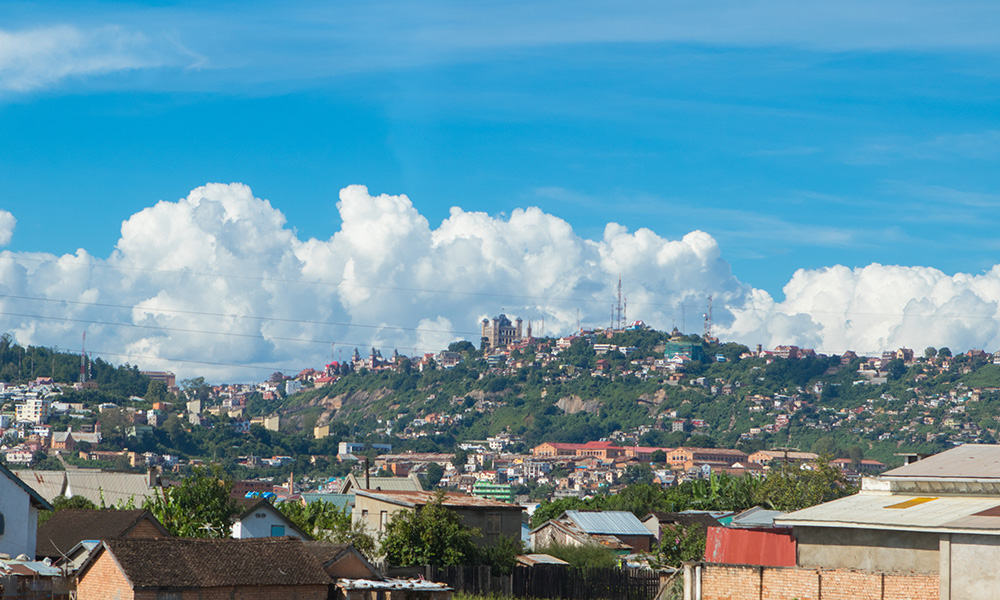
(19, 506)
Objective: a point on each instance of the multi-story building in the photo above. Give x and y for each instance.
(500, 332)
(35, 410)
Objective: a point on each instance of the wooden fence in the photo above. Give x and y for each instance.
(545, 581)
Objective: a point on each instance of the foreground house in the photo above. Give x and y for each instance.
(19, 506)
(66, 528)
(255, 569)
(260, 519)
(492, 518)
(929, 529)
(620, 531)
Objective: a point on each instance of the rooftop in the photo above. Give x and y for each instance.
(204, 563)
(969, 461)
(68, 527)
(607, 522)
(413, 499)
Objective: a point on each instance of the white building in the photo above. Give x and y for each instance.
(261, 519)
(35, 410)
(19, 505)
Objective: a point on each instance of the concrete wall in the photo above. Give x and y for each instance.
(868, 549)
(20, 520)
(969, 567)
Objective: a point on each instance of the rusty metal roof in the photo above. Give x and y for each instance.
(452, 499)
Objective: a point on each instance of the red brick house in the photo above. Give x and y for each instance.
(202, 569)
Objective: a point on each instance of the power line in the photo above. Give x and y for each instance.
(194, 331)
(234, 316)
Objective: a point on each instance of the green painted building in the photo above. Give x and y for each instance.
(503, 492)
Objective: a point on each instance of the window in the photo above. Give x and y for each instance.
(168, 595)
(277, 530)
(383, 520)
(493, 523)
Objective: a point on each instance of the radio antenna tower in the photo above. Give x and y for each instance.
(708, 320)
(618, 325)
(83, 359)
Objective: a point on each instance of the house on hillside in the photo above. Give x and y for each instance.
(175, 568)
(19, 506)
(260, 519)
(493, 519)
(66, 528)
(620, 531)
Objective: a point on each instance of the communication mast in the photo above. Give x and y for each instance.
(618, 324)
(708, 320)
(83, 359)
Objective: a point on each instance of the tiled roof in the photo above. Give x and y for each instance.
(68, 527)
(207, 563)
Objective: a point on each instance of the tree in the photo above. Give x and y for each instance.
(325, 521)
(434, 474)
(201, 506)
(658, 457)
(789, 487)
(460, 458)
(680, 544)
(930, 352)
(430, 535)
(61, 502)
(944, 352)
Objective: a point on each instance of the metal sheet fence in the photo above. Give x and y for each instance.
(551, 581)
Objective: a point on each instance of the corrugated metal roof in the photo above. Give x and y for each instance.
(978, 461)
(608, 522)
(540, 559)
(882, 511)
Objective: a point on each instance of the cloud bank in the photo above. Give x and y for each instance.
(219, 278)
(40, 57)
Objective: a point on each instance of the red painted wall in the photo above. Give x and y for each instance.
(767, 548)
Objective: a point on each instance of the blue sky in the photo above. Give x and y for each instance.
(797, 135)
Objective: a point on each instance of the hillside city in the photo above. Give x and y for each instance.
(517, 416)
(634, 462)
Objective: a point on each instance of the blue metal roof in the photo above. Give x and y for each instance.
(608, 522)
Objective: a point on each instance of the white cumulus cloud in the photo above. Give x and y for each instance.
(7, 223)
(218, 278)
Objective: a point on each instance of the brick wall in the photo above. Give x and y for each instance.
(270, 592)
(739, 582)
(104, 581)
(144, 529)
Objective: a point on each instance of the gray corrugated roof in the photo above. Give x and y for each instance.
(897, 511)
(608, 522)
(979, 461)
